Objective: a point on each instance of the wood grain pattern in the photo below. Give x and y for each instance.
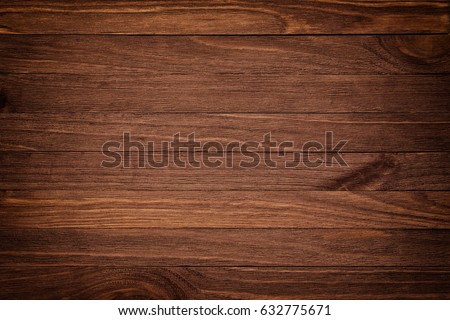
(91, 208)
(88, 132)
(80, 171)
(74, 75)
(184, 55)
(223, 283)
(224, 17)
(224, 247)
(218, 93)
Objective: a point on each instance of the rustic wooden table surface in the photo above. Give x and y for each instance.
(75, 74)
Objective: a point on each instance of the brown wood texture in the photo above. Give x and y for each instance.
(225, 247)
(369, 171)
(194, 55)
(216, 92)
(74, 75)
(224, 283)
(224, 17)
(88, 132)
(227, 209)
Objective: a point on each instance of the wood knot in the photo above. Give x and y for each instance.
(4, 105)
(423, 50)
(433, 47)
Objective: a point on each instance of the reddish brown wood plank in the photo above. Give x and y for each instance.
(216, 93)
(81, 171)
(89, 131)
(93, 208)
(224, 247)
(224, 17)
(218, 55)
(223, 283)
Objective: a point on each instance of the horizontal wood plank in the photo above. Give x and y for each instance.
(223, 283)
(218, 55)
(226, 209)
(224, 247)
(224, 17)
(89, 132)
(74, 171)
(218, 93)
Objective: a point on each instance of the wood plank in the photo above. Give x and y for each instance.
(89, 131)
(224, 247)
(223, 283)
(218, 93)
(194, 55)
(224, 17)
(227, 209)
(72, 171)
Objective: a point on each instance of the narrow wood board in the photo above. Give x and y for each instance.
(223, 283)
(102, 208)
(74, 171)
(89, 132)
(218, 93)
(194, 55)
(224, 247)
(224, 17)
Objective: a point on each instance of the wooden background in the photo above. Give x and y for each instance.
(74, 74)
